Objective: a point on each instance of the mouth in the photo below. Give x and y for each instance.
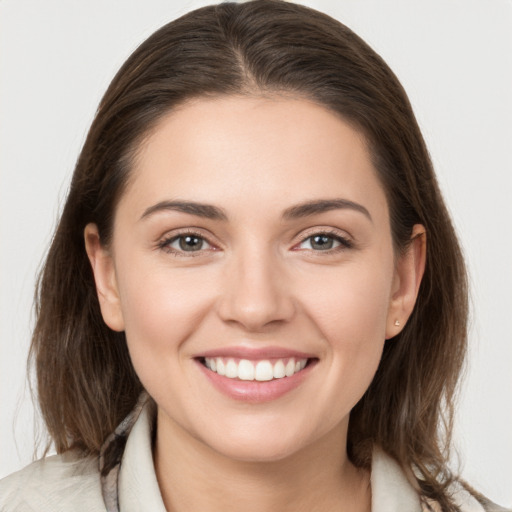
(262, 370)
(255, 376)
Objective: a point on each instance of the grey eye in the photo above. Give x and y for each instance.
(189, 243)
(320, 242)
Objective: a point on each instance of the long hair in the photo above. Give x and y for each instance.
(85, 380)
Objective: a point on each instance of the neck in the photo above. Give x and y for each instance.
(193, 476)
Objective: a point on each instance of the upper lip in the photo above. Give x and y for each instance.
(256, 353)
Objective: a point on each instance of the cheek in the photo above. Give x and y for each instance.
(161, 309)
(353, 303)
(351, 315)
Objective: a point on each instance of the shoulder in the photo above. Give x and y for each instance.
(465, 494)
(54, 484)
(466, 499)
(395, 488)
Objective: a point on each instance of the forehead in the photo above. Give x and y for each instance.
(270, 152)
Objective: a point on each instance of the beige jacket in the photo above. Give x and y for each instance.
(66, 483)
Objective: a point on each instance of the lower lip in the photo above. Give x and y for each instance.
(255, 391)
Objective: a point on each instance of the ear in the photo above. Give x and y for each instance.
(105, 278)
(409, 271)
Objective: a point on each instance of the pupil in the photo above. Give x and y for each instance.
(322, 242)
(190, 243)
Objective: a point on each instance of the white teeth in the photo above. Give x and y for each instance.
(290, 367)
(220, 367)
(263, 370)
(231, 369)
(245, 370)
(279, 371)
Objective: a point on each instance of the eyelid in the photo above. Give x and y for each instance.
(346, 241)
(163, 243)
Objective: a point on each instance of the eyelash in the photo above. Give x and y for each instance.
(344, 243)
(164, 244)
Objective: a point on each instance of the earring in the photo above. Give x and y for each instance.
(397, 323)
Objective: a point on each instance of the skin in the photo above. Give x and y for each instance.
(255, 281)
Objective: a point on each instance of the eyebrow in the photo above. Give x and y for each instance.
(212, 212)
(324, 205)
(206, 211)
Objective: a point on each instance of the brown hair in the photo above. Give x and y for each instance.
(86, 383)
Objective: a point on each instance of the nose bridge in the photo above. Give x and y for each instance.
(256, 291)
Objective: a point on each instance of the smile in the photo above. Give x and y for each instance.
(256, 375)
(262, 370)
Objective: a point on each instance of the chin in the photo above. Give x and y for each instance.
(258, 451)
(264, 442)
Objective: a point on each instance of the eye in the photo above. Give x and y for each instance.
(187, 242)
(324, 242)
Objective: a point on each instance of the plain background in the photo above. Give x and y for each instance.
(454, 58)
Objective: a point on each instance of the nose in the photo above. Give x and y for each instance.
(256, 292)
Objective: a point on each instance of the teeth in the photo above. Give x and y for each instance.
(290, 367)
(221, 370)
(232, 369)
(263, 370)
(279, 371)
(245, 370)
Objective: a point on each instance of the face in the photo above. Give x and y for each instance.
(253, 271)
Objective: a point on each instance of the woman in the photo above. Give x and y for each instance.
(255, 298)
